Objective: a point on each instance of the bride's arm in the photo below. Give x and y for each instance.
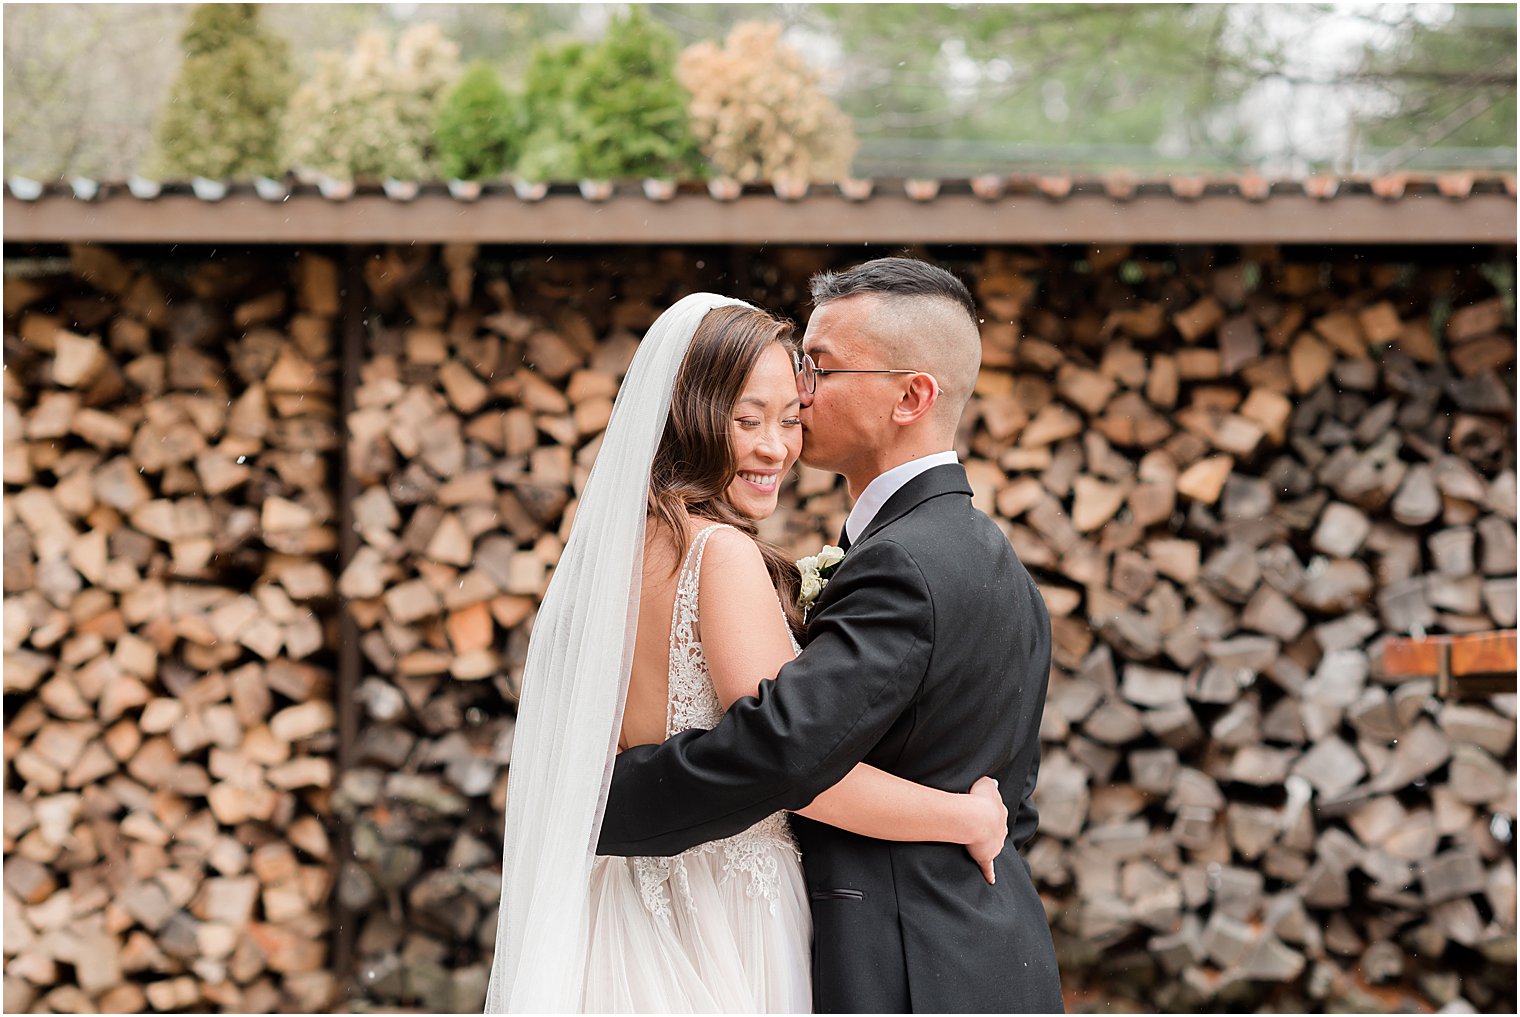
(745, 640)
(875, 803)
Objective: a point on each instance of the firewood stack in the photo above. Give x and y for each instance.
(477, 417)
(1232, 479)
(1233, 472)
(169, 551)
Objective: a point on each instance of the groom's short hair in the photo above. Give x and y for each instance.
(902, 277)
(919, 309)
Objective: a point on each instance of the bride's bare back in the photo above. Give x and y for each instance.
(648, 683)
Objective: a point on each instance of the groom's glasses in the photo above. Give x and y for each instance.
(808, 372)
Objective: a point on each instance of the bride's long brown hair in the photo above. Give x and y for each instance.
(695, 464)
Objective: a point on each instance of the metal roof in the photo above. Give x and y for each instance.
(1448, 208)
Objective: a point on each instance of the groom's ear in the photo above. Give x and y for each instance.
(917, 401)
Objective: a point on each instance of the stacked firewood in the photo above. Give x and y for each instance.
(169, 552)
(477, 415)
(1231, 481)
(1233, 472)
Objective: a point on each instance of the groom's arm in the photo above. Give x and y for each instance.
(867, 654)
(1026, 818)
(1025, 821)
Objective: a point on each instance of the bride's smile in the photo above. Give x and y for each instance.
(708, 757)
(763, 481)
(766, 433)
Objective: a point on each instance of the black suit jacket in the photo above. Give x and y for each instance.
(927, 655)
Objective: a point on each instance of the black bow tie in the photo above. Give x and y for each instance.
(844, 538)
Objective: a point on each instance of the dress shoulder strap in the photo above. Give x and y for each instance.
(691, 568)
(690, 692)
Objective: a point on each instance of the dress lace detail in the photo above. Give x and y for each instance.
(693, 703)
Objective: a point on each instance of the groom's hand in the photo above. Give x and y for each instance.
(985, 849)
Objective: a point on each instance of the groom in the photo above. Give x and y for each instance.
(927, 655)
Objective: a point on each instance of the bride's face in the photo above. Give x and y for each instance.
(766, 433)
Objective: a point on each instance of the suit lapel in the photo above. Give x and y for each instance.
(932, 483)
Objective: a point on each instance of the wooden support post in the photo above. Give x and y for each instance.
(345, 694)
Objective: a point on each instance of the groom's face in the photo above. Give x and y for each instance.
(847, 414)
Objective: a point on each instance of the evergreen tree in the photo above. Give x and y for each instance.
(611, 110)
(371, 113)
(222, 118)
(1447, 81)
(634, 113)
(477, 126)
(549, 114)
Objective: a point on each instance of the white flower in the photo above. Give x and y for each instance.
(812, 568)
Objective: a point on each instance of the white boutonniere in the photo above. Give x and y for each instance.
(816, 570)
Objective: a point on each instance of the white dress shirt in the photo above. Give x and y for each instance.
(880, 490)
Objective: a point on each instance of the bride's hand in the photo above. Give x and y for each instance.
(991, 826)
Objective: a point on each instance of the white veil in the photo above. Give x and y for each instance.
(574, 683)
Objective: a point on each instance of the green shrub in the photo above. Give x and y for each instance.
(610, 110)
(478, 126)
(371, 113)
(549, 114)
(548, 157)
(222, 116)
(635, 121)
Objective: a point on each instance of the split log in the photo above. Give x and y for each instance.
(1225, 497)
(160, 539)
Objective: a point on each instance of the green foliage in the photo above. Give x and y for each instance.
(1501, 276)
(503, 34)
(216, 27)
(633, 120)
(933, 89)
(548, 157)
(611, 110)
(548, 107)
(371, 114)
(963, 88)
(478, 126)
(1446, 82)
(222, 117)
(1045, 76)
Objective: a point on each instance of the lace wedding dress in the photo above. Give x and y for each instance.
(722, 927)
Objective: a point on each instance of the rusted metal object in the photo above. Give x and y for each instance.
(1475, 664)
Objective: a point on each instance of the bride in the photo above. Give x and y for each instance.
(664, 609)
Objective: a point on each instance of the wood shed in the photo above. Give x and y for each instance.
(285, 476)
